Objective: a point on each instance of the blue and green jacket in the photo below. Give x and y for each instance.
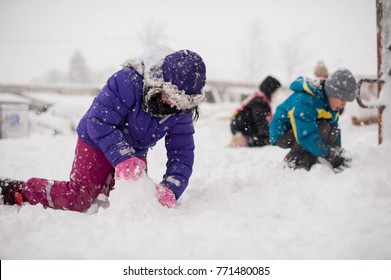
(300, 112)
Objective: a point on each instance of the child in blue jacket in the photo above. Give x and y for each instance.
(307, 121)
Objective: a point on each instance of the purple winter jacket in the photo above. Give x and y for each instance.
(118, 126)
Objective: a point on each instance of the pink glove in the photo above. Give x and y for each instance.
(165, 196)
(130, 169)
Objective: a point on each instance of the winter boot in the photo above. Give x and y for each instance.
(11, 192)
(291, 159)
(298, 157)
(307, 161)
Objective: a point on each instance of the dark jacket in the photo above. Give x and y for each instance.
(252, 119)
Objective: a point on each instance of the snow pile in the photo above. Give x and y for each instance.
(240, 204)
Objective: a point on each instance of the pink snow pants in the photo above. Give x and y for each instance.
(91, 175)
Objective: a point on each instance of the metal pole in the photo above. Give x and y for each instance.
(379, 19)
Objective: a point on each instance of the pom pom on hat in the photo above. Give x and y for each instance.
(321, 71)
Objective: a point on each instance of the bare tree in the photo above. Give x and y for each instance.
(78, 70)
(293, 55)
(254, 58)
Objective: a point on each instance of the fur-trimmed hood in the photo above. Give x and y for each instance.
(181, 75)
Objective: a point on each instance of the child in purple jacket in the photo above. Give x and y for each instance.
(152, 97)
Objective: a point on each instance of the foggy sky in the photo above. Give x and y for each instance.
(39, 35)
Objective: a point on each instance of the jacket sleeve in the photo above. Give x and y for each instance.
(260, 111)
(179, 143)
(109, 108)
(279, 125)
(305, 128)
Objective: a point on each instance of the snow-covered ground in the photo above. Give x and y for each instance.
(240, 203)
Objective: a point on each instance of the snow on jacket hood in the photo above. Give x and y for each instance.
(303, 84)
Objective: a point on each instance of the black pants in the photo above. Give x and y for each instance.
(328, 133)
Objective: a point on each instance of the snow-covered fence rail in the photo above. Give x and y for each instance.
(88, 89)
(39, 105)
(216, 91)
(224, 91)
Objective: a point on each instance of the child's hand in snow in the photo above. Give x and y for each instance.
(130, 169)
(238, 140)
(165, 196)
